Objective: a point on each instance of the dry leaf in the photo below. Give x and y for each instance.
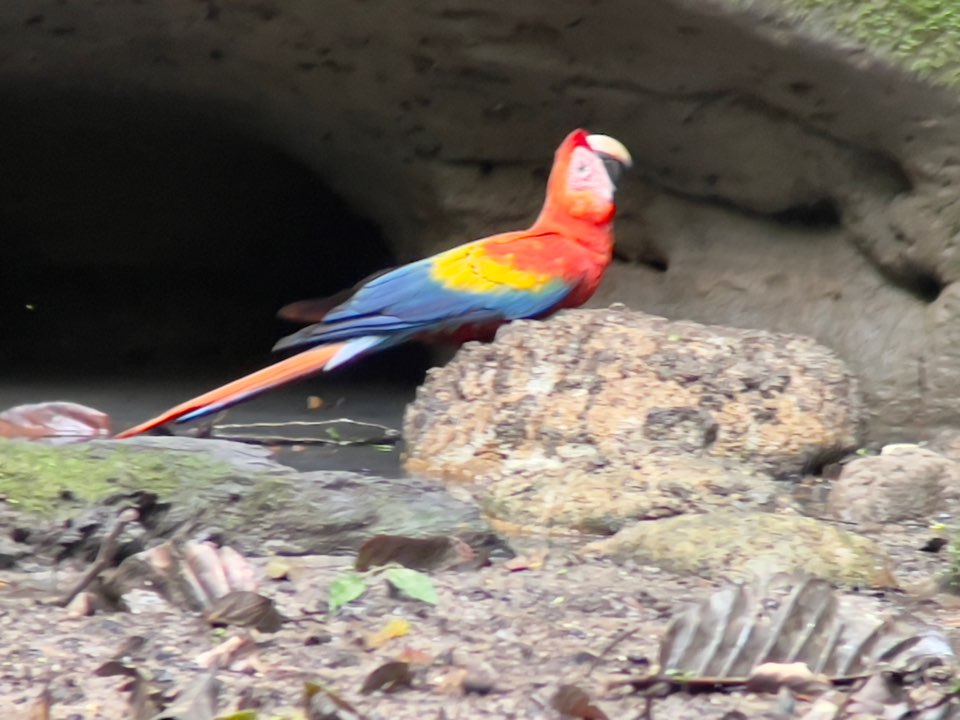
(83, 605)
(389, 677)
(61, 420)
(240, 573)
(395, 628)
(245, 609)
(532, 561)
(278, 568)
(197, 702)
(228, 653)
(573, 702)
(314, 402)
(203, 561)
(145, 699)
(788, 620)
(882, 696)
(323, 704)
(414, 553)
(191, 575)
(451, 683)
(116, 667)
(412, 656)
(41, 706)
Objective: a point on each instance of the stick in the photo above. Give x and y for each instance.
(105, 555)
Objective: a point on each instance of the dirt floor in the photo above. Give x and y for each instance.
(498, 644)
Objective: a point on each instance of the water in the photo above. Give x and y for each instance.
(132, 400)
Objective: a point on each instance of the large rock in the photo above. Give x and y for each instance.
(599, 416)
(904, 483)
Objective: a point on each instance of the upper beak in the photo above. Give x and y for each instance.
(614, 155)
(611, 148)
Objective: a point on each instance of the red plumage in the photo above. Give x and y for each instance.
(460, 294)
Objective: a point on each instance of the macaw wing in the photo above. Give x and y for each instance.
(316, 309)
(458, 287)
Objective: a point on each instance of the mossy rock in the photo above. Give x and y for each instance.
(737, 546)
(214, 487)
(48, 480)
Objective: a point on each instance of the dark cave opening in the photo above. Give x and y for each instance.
(140, 238)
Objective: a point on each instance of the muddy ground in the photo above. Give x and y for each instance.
(517, 634)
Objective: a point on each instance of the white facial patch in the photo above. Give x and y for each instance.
(586, 173)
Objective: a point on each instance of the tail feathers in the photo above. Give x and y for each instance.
(292, 368)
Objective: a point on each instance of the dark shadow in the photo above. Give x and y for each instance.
(139, 238)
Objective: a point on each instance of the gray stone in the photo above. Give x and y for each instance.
(747, 545)
(903, 483)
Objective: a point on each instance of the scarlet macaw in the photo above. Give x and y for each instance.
(461, 294)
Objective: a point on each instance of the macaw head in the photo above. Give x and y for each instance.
(585, 172)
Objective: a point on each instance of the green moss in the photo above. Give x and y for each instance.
(742, 545)
(922, 36)
(41, 479)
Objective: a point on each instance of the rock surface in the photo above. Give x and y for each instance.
(62, 500)
(904, 483)
(749, 545)
(790, 175)
(599, 416)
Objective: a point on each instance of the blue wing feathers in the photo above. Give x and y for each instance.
(407, 301)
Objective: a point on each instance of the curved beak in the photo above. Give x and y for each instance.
(615, 156)
(611, 148)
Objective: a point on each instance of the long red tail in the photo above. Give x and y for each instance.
(292, 368)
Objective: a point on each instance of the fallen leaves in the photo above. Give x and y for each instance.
(413, 584)
(321, 703)
(63, 421)
(406, 582)
(345, 589)
(197, 577)
(389, 677)
(532, 561)
(788, 620)
(571, 701)
(188, 575)
(244, 608)
(395, 628)
(430, 553)
(793, 636)
(197, 702)
(237, 653)
(452, 681)
(42, 704)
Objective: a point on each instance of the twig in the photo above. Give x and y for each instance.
(647, 709)
(610, 646)
(105, 555)
(388, 435)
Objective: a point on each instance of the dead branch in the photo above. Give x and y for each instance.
(105, 555)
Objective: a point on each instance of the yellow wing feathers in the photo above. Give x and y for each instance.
(470, 268)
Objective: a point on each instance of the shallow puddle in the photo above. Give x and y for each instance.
(129, 401)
